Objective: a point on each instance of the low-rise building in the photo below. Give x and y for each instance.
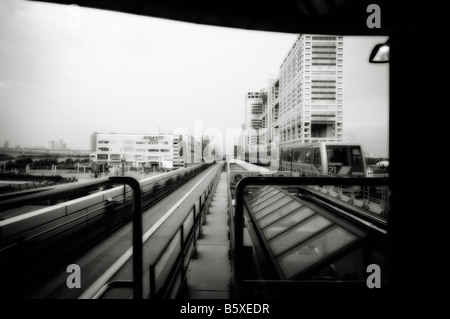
(152, 151)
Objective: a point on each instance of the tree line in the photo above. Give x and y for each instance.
(22, 161)
(374, 160)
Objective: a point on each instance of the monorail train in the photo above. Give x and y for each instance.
(324, 158)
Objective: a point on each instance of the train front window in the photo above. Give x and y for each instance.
(317, 160)
(356, 156)
(297, 155)
(308, 156)
(337, 155)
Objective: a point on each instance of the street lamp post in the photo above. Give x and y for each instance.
(123, 166)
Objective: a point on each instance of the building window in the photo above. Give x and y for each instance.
(324, 38)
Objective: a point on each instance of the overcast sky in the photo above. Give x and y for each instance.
(67, 71)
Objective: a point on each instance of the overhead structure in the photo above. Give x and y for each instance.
(339, 17)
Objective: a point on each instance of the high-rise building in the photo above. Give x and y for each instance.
(253, 118)
(178, 160)
(306, 98)
(50, 145)
(56, 145)
(94, 141)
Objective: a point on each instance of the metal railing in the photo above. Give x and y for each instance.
(372, 199)
(168, 271)
(137, 282)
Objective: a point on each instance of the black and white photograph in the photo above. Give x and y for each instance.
(199, 152)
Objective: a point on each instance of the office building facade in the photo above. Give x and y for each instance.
(154, 151)
(253, 119)
(307, 96)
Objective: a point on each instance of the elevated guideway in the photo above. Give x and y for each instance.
(95, 262)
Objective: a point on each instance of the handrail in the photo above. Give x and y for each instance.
(184, 242)
(137, 240)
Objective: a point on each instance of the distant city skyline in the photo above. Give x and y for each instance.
(69, 71)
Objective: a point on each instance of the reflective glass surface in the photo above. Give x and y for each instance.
(297, 234)
(277, 205)
(263, 196)
(269, 200)
(287, 222)
(259, 192)
(279, 213)
(315, 249)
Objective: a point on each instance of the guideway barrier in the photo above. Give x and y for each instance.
(167, 270)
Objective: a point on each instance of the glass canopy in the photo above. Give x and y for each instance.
(297, 234)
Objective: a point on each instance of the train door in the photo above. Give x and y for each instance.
(308, 160)
(289, 160)
(283, 159)
(296, 159)
(357, 161)
(317, 160)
